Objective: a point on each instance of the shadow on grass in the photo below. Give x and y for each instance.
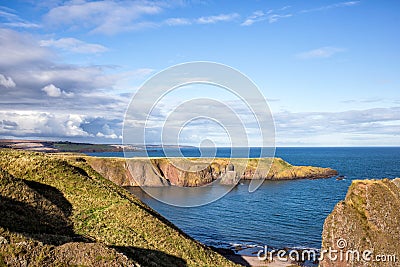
(149, 257)
(53, 195)
(31, 222)
(18, 216)
(41, 212)
(38, 211)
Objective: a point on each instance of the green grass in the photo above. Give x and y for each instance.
(96, 213)
(75, 147)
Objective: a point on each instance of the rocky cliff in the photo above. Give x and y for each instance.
(198, 172)
(368, 221)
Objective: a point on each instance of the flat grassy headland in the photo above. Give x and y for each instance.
(200, 171)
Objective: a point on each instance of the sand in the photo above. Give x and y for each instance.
(254, 261)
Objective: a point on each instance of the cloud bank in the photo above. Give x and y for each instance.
(43, 97)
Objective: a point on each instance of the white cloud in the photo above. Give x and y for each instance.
(107, 132)
(47, 90)
(323, 52)
(255, 17)
(218, 18)
(275, 17)
(378, 126)
(6, 81)
(53, 91)
(13, 20)
(19, 49)
(259, 16)
(285, 7)
(200, 20)
(177, 21)
(74, 77)
(21, 25)
(359, 121)
(56, 125)
(74, 45)
(105, 17)
(92, 89)
(111, 136)
(350, 3)
(337, 5)
(43, 124)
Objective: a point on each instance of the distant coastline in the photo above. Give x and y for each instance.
(66, 146)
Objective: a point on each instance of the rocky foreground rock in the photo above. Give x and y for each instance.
(198, 172)
(365, 227)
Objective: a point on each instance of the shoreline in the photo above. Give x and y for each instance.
(250, 258)
(255, 262)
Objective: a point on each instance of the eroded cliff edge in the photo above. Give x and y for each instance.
(367, 220)
(162, 172)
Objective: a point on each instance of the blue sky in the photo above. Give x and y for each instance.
(329, 69)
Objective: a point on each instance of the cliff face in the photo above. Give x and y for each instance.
(161, 172)
(368, 219)
(56, 210)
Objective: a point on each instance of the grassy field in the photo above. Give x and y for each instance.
(75, 147)
(59, 146)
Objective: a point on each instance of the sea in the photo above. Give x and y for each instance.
(279, 214)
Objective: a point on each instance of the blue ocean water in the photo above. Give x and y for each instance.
(280, 213)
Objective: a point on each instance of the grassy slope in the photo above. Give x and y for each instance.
(76, 212)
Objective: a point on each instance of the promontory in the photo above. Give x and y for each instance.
(200, 171)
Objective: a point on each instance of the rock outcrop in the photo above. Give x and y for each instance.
(201, 171)
(367, 221)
